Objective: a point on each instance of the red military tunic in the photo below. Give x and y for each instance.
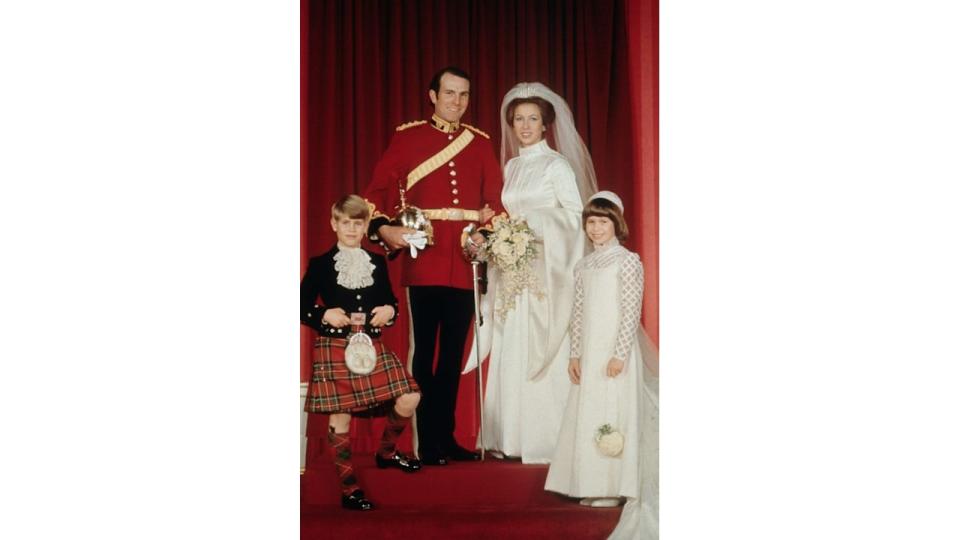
(467, 181)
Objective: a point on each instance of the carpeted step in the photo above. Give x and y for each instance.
(491, 482)
(490, 499)
(439, 520)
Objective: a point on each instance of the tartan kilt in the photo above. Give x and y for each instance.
(335, 389)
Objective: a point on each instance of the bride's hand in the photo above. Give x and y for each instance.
(573, 369)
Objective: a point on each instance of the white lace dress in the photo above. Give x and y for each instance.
(606, 319)
(527, 384)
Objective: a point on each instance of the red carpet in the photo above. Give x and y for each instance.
(494, 499)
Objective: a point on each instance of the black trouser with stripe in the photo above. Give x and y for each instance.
(449, 312)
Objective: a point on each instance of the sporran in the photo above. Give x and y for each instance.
(360, 356)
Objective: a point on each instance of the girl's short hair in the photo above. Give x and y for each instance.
(351, 206)
(606, 208)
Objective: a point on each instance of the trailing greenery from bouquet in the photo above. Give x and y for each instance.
(511, 248)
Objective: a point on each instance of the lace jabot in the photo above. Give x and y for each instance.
(354, 267)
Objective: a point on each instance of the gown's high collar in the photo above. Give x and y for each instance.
(613, 242)
(540, 146)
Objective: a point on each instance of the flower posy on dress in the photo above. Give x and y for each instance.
(609, 441)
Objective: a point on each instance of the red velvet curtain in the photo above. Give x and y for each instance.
(365, 67)
(643, 195)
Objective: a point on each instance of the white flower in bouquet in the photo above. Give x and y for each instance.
(502, 250)
(511, 249)
(609, 441)
(520, 243)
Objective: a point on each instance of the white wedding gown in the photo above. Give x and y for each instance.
(606, 324)
(527, 383)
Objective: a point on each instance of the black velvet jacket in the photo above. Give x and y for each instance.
(319, 292)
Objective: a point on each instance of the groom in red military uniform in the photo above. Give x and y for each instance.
(447, 169)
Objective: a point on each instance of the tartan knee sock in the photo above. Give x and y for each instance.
(340, 451)
(391, 431)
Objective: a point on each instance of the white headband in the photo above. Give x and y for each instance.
(610, 196)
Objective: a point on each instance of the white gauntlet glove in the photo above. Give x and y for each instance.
(417, 240)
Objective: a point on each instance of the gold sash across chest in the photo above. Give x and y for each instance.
(437, 160)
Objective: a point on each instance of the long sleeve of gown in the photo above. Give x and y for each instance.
(576, 320)
(565, 186)
(555, 220)
(631, 301)
(563, 216)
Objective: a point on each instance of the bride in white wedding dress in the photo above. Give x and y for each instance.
(527, 382)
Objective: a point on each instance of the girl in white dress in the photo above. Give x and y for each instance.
(527, 385)
(608, 446)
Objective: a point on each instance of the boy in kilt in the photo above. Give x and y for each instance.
(345, 292)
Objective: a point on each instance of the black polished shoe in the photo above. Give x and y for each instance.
(355, 501)
(459, 453)
(400, 461)
(432, 459)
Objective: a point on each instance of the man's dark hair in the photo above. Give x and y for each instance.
(453, 70)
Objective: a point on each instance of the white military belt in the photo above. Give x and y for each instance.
(451, 214)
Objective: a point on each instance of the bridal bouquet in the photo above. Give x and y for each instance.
(510, 247)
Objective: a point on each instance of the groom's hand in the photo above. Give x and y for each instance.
(392, 235)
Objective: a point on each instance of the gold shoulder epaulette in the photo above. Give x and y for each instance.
(478, 131)
(402, 127)
(372, 208)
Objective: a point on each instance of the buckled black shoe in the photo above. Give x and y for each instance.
(459, 453)
(432, 459)
(400, 461)
(355, 501)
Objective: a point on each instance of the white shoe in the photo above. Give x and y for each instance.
(496, 453)
(587, 501)
(605, 502)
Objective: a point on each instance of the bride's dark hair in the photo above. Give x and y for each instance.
(546, 109)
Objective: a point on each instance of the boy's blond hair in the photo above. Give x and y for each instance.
(351, 206)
